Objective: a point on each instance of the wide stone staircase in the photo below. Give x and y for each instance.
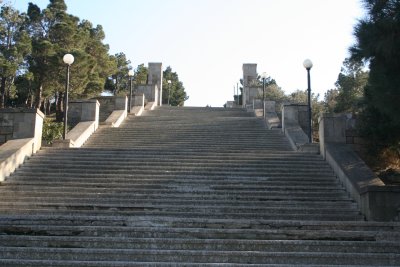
(186, 187)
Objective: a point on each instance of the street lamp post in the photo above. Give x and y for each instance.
(263, 76)
(130, 74)
(308, 65)
(68, 60)
(169, 90)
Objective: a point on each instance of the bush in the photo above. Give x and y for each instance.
(52, 130)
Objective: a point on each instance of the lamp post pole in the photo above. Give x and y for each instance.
(308, 65)
(130, 74)
(237, 94)
(68, 60)
(263, 76)
(169, 90)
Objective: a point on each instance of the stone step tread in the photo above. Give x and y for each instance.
(319, 198)
(205, 244)
(182, 191)
(54, 263)
(206, 209)
(174, 187)
(176, 201)
(162, 231)
(116, 212)
(263, 164)
(199, 256)
(82, 220)
(35, 179)
(249, 172)
(222, 152)
(270, 179)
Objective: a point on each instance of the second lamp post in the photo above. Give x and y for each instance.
(263, 76)
(308, 65)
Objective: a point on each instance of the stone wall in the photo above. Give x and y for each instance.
(249, 78)
(353, 137)
(150, 92)
(376, 200)
(295, 113)
(155, 78)
(19, 123)
(110, 103)
(83, 110)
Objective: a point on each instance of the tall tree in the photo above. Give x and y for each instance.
(378, 42)
(121, 73)
(350, 85)
(174, 91)
(14, 46)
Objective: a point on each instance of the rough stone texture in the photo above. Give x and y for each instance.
(110, 103)
(13, 154)
(21, 123)
(83, 110)
(294, 119)
(150, 92)
(84, 115)
(377, 201)
(295, 113)
(249, 78)
(332, 129)
(138, 100)
(271, 117)
(186, 187)
(155, 78)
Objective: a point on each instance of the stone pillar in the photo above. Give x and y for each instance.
(156, 78)
(332, 129)
(249, 77)
(20, 123)
(138, 100)
(295, 114)
(83, 110)
(121, 102)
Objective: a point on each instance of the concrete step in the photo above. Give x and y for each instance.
(186, 187)
(204, 244)
(172, 256)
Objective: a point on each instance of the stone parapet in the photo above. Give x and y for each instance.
(271, 117)
(18, 123)
(83, 110)
(377, 201)
(294, 119)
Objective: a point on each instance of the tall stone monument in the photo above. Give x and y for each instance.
(155, 78)
(250, 88)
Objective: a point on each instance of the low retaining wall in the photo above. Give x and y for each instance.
(377, 201)
(22, 133)
(85, 114)
(294, 120)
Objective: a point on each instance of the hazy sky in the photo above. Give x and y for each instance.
(207, 41)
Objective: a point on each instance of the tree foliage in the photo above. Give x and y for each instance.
(14, 47)
(174, 91)
(378, 43)
(348, 96)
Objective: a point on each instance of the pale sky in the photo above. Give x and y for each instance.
(207, 41)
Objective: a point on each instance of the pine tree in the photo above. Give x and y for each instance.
(378, 43)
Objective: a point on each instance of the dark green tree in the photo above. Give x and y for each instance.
(378, 43)
(140, 76)
(330, 100)
(120, 76)
(350, 85)
(174, 91)
(14, 46)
